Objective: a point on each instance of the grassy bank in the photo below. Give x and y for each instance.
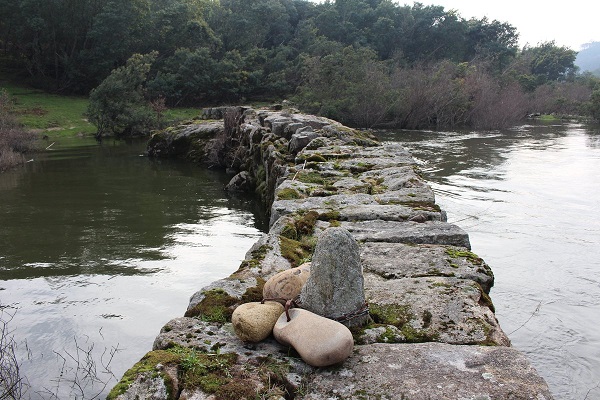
(56, 115)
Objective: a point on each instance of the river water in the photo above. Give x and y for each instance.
(530, 199)
(99, 248)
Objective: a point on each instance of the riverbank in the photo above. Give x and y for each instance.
(433, 332)
(58, 115)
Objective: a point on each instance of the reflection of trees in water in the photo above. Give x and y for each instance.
(593, 137)
(98, 209)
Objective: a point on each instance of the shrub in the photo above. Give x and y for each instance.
(14, 140)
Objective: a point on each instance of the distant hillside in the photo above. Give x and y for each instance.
(588, 58)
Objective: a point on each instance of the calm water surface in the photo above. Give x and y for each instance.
(100, 247)
(529, 199)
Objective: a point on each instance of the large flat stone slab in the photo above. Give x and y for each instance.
(439, 309)
(430, 232)
(399, 260)
(358, 207)
(430, 371)
(385, 150)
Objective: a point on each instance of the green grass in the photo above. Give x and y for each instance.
(57, 115)
(548, 118)
(49, 113)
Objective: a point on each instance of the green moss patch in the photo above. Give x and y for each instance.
(470, 256)
(215, 307)
(308, 176)
(209, 372)
(297, 241)
(390, 314)
(400, 316)
(147, 365)
(288, 194)
(254, 293)
(257, 256)
(296, 252)
(216, 374)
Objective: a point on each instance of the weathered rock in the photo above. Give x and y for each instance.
(335, 287)
(233, 287)
(253, 322)
(356, 212)
(287, 284)
(242, 182)
(430, 371)
(382, 334)
(188, 140)
(439, 309)
(319, 341)
(147, 385)
(431, 232)
(300, 140)
(398, 260)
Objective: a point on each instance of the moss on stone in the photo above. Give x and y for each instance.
(422, 206)
(288, 194)
(147, 365)
(390, 314)
(473, 258)
(305, 224)
(297, 241)
(255, 293)
(316, 143)
(208, 372)
(307, 176)
(257, 256)
(214, 307)
(294, 251)
(315, 157)
(484, 299)
(414, 335)
(329, 216)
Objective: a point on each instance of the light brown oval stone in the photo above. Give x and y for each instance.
(253, 322)
(319, 341)
(287, 284)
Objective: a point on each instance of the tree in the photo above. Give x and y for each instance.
(595, 104)
(118, 105)
(350, 85)
(550, 63)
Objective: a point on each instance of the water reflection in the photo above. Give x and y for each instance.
(101, 246)
(528, 198)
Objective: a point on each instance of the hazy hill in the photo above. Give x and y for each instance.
(588, 58)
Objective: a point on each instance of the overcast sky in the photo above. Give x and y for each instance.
(569, 23)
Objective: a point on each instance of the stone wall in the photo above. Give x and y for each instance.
(432, 332)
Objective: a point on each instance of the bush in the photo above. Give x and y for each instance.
(14, 140)
(118, 106)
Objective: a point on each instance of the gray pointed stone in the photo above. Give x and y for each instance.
(336, 285)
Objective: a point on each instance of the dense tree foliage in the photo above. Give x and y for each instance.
(366, 62)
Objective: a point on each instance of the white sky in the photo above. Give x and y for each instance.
(569, 23)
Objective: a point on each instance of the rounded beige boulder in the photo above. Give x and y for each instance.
(319, 341)
(253, 322)
(287, 284)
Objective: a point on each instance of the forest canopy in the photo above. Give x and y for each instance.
(364, 62)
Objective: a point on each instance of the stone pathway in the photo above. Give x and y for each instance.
(432, 332)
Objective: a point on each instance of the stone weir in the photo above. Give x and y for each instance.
(431, 331)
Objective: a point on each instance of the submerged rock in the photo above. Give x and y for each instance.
(335, 288)
(319, 341)
(253, 322)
